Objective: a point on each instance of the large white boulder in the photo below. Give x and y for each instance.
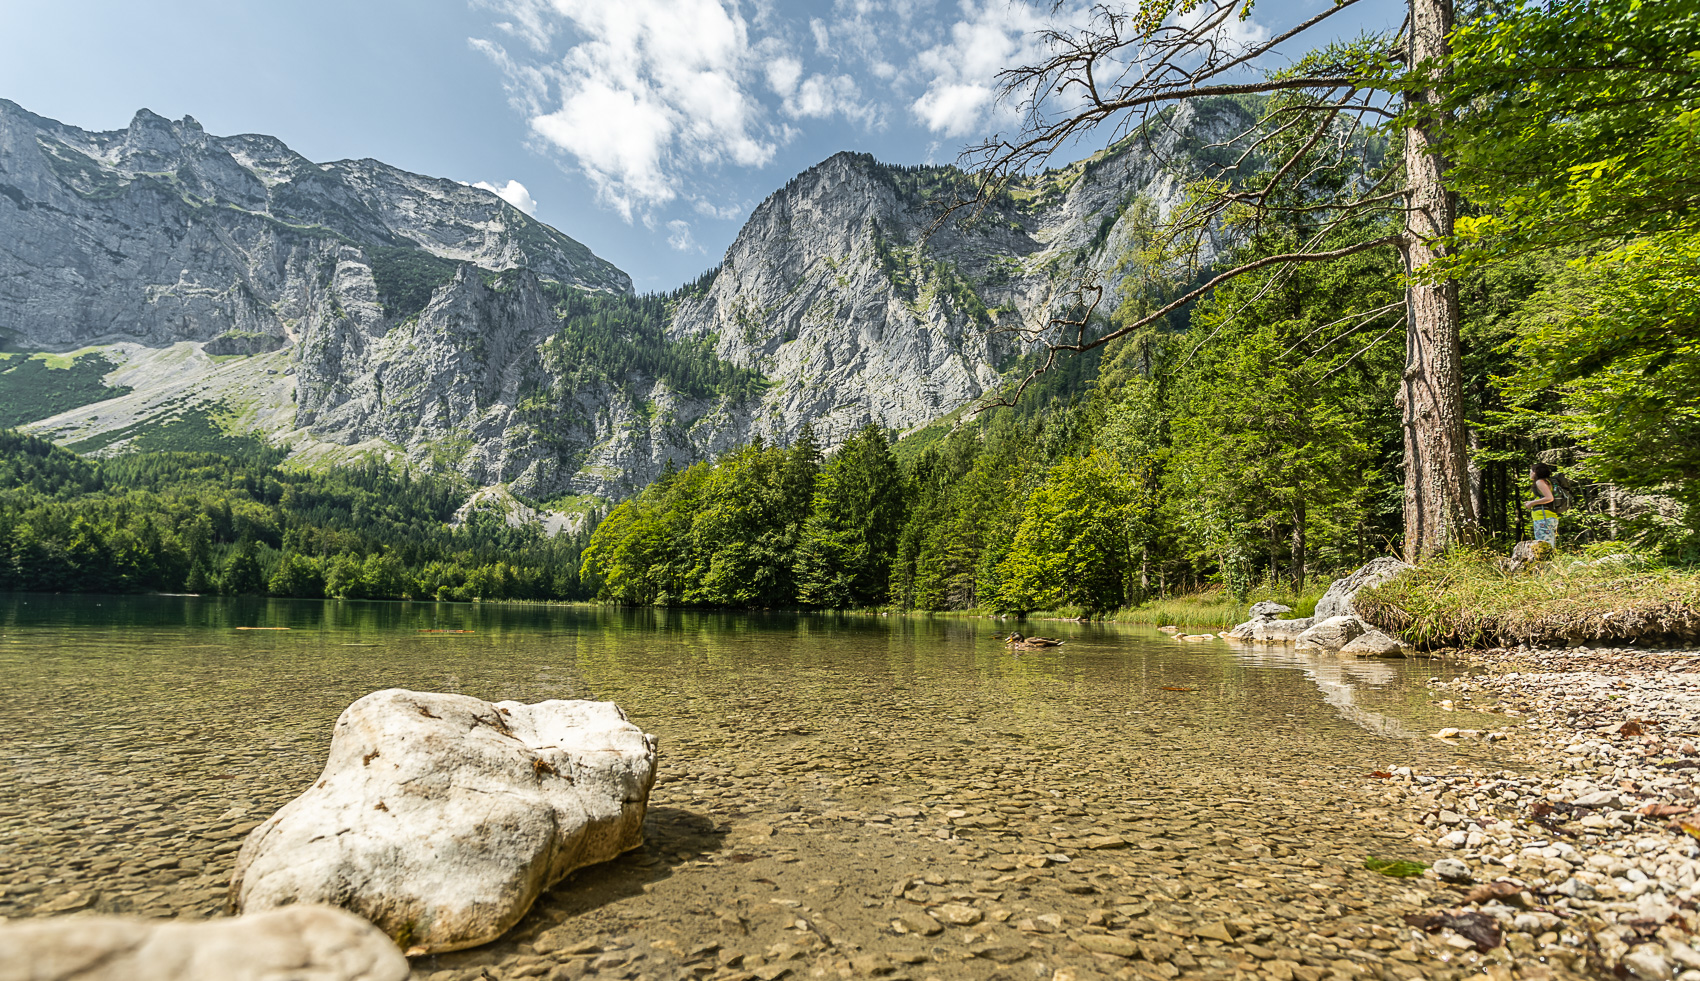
(1330, 634)
(440, 818)
(300, 943)
(1337, 602)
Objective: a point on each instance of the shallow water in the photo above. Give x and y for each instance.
(813, 770)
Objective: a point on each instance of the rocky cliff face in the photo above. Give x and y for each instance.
(161, 233)
(351, 306)
(842, 292)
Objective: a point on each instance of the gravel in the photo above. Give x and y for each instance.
(1586, 853)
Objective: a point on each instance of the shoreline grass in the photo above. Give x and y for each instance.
(1471, 600)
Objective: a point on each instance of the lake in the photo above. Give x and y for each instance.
(831, 789)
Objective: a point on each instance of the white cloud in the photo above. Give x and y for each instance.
(817, 96)
(514, 193)
(651, 87)
(708, 209)
(679, 236)
(528, 20)
(960, 96)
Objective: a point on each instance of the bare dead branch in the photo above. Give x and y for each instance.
(1363, 350)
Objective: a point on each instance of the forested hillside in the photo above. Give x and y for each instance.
(1257, 428)
(239, 523)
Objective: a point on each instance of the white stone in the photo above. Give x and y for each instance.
(299, 943)
(1647, 963)
(1374, 643)
(440, 817)
(1272, 631)
(1331, 634)
(1268, 610)
(1338, 600)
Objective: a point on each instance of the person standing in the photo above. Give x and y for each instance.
(1545, 506)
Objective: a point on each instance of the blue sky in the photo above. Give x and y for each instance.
(646, 129)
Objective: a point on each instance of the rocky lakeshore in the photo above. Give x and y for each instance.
(1590, 860)
(843, 801)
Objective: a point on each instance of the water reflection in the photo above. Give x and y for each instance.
(1340, 680)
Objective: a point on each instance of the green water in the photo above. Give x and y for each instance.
(138, 732)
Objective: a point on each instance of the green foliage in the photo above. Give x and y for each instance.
(407, 276)
(1077, 543)
(32, 388)
(614, 339)
(844, 557)
(1578, 122)
(239, 522)
(1395, 867)
(1471, 599)
(715, 534)
(1617, 336)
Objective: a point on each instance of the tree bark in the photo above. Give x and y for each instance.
(1438, 506)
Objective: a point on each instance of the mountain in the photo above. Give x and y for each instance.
(160, 286)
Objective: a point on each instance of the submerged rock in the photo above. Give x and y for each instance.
(441, 818)
(1337, 601)
(300, 943)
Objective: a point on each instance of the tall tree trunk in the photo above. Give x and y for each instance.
(1438, 505)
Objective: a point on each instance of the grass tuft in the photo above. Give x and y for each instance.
(1217, 608)
(1470, 599)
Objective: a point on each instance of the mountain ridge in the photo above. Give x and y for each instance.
(350, 307)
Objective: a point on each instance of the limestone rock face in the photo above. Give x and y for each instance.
(300, 943)
(1330, 634)
(440, 818)
(350, 307)
(1268, 610)
(1338, 600)
(843, 290)
(161, 232)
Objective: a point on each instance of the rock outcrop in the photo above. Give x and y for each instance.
(1265, 627)
(1374, 643)
(440, 817)
(1335, 625)
(299, 943)
(1338, 600)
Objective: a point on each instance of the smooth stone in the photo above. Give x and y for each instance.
(1374, 643)
(1331, 634)
(1108, 943)
(958, 914)
(299, 943)
(441, 817)
(1452, 870)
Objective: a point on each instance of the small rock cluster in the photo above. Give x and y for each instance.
(1335, 625)
(1592, 860)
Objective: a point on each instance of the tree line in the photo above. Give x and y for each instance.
(241, 523)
